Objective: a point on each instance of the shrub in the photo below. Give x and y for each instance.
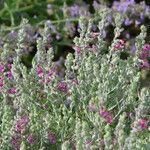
(100, 102)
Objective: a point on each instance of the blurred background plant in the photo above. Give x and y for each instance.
(62, 18)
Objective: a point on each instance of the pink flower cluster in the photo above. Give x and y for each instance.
(119, 45)
(62, 86)
(12, 90)
(8, 75)
(106, 115)
(30, 139)
(21, 123)
(15, 142)
(52, 71)
(146, 47)
(145, 54)
(39, 72)
(142, 123)
(144, 64)
(47, 78)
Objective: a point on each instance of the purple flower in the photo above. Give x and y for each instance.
(21, 123)
(62, 86)
(127, 22)
(12, 90)
(142, 123)
(144, 64)
(9, 75)
(74, 10)
(123, 5)
(52, 71)
(137, 22)
(15, 142)
(9, 66)
(120, 44)
(47, 79)
(145, 52)
(106, 115)
(108, 119)
(143, 55)
(30, 139)
(146, 47)
(1, 68)
(51, 138)
(39, 72)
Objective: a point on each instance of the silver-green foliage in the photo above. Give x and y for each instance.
(96, 76)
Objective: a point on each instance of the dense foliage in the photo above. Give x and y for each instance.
(96, 98)
(62, 18)
(98, 103)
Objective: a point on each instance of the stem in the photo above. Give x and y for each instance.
(115, 105)
(23, 8)
(15, 10)
(118, 113)
(12, 18)
(64, 20)
(42, 22)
